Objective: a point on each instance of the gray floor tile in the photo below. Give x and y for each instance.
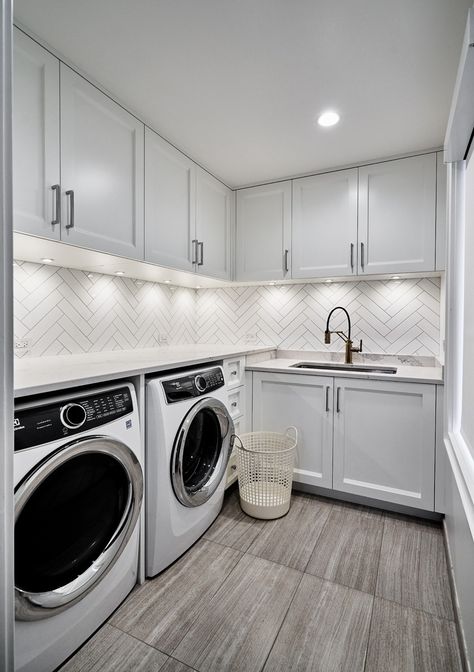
(161, 610)
(326, 629)
(348, 549)
(413, 569)
(236, 630)
(233, 527)
(290, 540)
(406, 640)
(111, 650)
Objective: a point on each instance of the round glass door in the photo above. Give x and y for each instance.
(73, 515)
(201, 452)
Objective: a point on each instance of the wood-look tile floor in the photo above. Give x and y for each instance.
(331, 587)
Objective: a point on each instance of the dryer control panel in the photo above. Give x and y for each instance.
(193, 384)
(36, 425)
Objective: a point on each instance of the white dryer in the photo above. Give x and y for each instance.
(78, 493)
(189, 437)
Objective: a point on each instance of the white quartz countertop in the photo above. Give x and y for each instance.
(405, 373)
(36, 375)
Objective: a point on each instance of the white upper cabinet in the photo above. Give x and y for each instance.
(263, 226)
(35, 139)
(324, 227)
(102, 156)
(397, 202)
(213, 225)
(169, 205)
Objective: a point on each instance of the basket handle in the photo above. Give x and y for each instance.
(233, 440)
(290, 431)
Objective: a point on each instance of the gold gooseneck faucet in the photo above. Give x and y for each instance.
(341, 334)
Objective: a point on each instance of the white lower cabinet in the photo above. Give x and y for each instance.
(284, 399)
(365, 437)
(384, 441)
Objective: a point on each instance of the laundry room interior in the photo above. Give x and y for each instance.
(238, 336)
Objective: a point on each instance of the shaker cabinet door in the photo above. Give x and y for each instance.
(397, 203)
(213, 226)
(102, 170)
(281, 400)
(170, 220)
(324, 228)
(36, 206)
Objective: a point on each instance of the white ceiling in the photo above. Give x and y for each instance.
(237, 84)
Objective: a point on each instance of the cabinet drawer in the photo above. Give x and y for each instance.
(234, 371)
(237, 402)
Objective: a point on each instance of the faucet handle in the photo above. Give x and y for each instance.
(360, 345)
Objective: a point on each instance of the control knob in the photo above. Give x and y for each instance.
(73, 415)
(201, 383)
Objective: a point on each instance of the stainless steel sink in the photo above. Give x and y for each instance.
(344, 367)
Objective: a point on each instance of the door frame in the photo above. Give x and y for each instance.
(6, 342)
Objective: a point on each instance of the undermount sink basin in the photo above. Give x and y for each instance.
(344, 367)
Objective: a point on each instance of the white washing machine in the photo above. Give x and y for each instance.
(78, 493)
(188, 443)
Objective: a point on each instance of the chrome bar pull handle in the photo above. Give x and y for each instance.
(70, 195)
(285, 261)
(362, 256)
(56, 188)
(201, 255)
(338, 399)
(327, 398)
(194, 243)
(352, 257)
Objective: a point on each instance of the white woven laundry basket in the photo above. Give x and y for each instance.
(265, 467)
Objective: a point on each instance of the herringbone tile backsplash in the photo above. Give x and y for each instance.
(60, 311)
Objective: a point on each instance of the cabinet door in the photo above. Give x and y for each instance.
(102, 163)
(169, 205)
(324, 228)
(263, 226)
(35, 138)
(213, 225)
(397, 215)
(441, 211)
(281, 400)
(384, 441)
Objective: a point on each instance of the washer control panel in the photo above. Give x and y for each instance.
(193, 384)
(36, 425)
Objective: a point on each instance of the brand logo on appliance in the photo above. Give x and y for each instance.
(16, 422)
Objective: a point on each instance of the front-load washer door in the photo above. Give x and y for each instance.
(74, 513)
(201, 452)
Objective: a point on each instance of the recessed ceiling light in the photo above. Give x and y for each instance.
(395, 277)
(119, 273)
(328, 118)
(47, 260)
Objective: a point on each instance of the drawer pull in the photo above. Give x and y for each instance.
(233, 373)
(234, 404)
(233, 467)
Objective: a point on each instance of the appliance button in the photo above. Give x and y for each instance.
(73, 415)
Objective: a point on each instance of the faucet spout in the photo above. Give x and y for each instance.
(341, 334)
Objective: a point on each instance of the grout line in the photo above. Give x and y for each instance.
(375, 591)
(282, 621)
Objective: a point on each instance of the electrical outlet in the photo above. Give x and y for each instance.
(251, 337)
(162, 339)
(22, 345)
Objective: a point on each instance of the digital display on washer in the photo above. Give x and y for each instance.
(42, 424)
(193, 384)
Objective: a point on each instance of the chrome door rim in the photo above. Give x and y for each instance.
(30, 606)
(226, 426)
